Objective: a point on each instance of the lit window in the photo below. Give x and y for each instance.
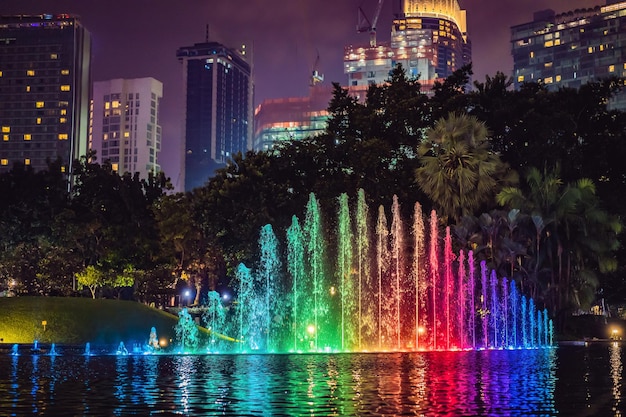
(27, 161)
(6, 129)
(558, 78)
(30, 73)
(27, 136)
(63, 136)
(520, 78)
(590, 50)
(548, 65)
(63, 112)
(611, 68)
(126, 134)
(548, 44)
(39, 104)
(115, 167)
(54, 56)
(0, 73)
(28, 88)
(532, 54)
(65, 72)
(602, 47)
(5, 138)
(115, 104)
(557, 42)
(39, 120)
(65, 87)
(63, 169)
(107, 105)
(4, 161)
(548, 80)
(105, 136)
(62, 119)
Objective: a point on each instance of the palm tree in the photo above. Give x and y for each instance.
(573, 236)
(459, 171)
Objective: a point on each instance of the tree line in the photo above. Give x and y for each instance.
(530, 179)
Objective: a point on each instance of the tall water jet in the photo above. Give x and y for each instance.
(363, 268)
(268, 291)
(344, 269)
(397, 273)
(494, 310)
(244, 307)
(461, 304)
(215, 318)
(448, 257)
(472, 295)
(419, 276)
(484, 311)
(382, 261)
(434, 273)
(315, 248)
(296, 268)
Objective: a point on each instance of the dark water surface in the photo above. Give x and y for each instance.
(568, 381)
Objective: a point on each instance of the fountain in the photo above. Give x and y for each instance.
(380, 290)
(121, 349)
(53, 350)
(15, 350)
(87, 349)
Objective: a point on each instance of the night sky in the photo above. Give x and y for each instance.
(139, 38)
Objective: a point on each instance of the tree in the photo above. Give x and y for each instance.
(91, 277)
(574, 237)
(458, 171)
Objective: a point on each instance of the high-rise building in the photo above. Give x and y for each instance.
(572, 48)
(429, 38)
(125, 124)
(44, 90)
(218, 113)
(293, 118)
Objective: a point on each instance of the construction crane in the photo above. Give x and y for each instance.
(364, 25)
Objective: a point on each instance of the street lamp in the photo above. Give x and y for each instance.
(187, 296)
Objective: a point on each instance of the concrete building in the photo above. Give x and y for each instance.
(125, 124)
(572, 48)
(219, 108)
(429, 38)
(44, 90)
(293, 118)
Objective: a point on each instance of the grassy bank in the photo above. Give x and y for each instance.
(80, 320)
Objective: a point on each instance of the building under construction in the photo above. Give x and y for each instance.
(428, 38)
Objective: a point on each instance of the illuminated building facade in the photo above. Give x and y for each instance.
(125, 124)
(218, 113)
(572, 48)
(429, 39)
(44, 90)
(294, 118)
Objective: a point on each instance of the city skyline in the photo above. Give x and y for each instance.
(287, 37)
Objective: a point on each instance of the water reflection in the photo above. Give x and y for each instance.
(616, 376)
(566, 381)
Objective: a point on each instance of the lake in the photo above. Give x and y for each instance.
(572, 380)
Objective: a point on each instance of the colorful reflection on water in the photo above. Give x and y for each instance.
(571, 380)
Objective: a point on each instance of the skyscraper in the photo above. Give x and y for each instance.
(125, 124)
(218, 113)
(44, 90)
(572, 48)
(429, 38)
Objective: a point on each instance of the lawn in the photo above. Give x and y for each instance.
(81, 320)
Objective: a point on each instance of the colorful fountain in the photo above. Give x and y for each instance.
(380, 289)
